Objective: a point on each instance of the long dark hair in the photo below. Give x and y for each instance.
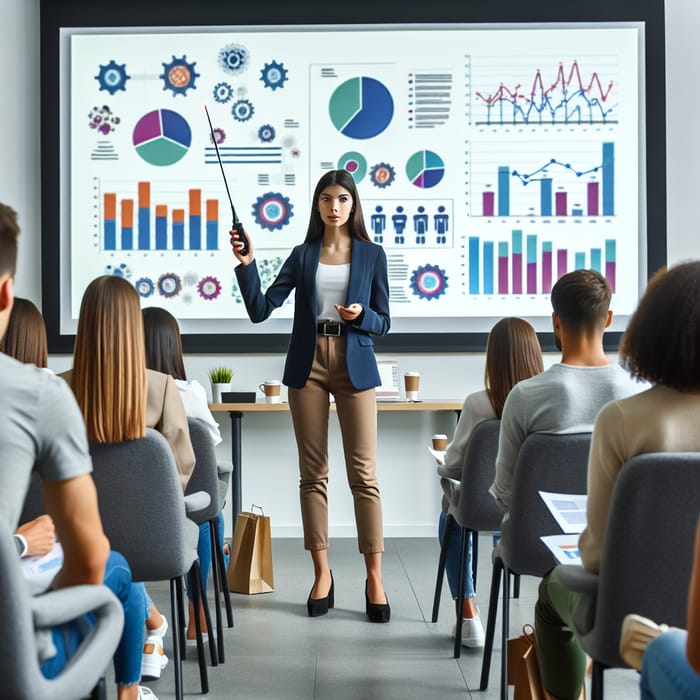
(356, 223)
(163, 342)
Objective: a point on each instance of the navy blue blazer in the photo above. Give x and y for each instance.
(368, 286)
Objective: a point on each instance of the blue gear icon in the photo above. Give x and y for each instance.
(209, 288)
(242, 110)
(382, 175)
(429, 282)
(272, 211)
(266, 133)
(145, 287)
(169, 285)
(112, 77)
(179, 76)
(274, 75)
(223, 92)
(233, 58)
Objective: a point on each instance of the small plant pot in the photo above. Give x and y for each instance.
(217, 388)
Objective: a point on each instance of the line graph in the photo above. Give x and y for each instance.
(568, 99)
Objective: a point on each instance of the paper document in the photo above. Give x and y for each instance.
(564, 548)
(41, 571)
(438, 454)
(568, 509)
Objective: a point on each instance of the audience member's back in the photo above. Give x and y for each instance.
(567, 396)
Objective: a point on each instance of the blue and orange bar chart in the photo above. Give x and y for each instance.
(552, 198)
(183, 230)
(508, 272)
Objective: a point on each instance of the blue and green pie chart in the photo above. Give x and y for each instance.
(361, 108)
(162, 137)
(425, 169)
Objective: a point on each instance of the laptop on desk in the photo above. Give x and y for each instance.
(390, 389)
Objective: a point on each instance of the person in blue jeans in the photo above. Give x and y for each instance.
(513, 353)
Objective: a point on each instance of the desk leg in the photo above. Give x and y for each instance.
(236, 419)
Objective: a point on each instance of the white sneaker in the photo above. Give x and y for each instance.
(154, 659)
(159, 631)
(472, 632)
(146, 693)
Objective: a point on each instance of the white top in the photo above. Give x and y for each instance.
(194, 398)
(331, 288)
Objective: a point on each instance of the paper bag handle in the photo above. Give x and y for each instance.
(260, 508)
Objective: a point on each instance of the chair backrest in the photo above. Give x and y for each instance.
(205, 475)
(648, 550)
(546, 462)
(22, 678)
(476, 509)
(142, 506)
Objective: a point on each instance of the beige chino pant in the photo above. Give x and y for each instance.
(357, 415)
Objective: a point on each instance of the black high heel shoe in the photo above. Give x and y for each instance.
(377, 612)
(320, 606)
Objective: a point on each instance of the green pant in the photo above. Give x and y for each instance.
(562, 661)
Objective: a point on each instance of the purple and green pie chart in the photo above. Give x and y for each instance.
(425, 169)
(162, 137)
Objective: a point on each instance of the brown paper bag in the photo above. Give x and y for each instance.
(523, 670)
(250, 567)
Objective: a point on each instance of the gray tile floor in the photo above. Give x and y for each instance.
(276, 652)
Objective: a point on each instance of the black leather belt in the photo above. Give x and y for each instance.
(330, 328)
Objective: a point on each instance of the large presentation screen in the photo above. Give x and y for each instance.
(490, 159)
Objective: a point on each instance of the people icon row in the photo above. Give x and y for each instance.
(421, 224)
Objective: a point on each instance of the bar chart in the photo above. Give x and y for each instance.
(524, 264)
(178, 219)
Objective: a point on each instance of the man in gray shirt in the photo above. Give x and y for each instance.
(567, 397)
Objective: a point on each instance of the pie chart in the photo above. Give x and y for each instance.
(425, 169)
(355, 163)
(361, 108)
(162, 137)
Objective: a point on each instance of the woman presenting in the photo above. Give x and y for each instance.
(341, 301)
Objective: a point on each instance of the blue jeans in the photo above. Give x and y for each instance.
(452, 561)
(204, 547)
(666, 674)
(127, 657)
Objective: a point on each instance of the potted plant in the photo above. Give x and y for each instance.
(220, 378)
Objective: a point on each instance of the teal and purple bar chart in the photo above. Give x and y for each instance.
(163, 227)
(499, 267)
(553, 190)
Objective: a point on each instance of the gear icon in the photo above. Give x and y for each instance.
(233, 58)
(112, 77)
(429, 282)
(274, 75)
(272, 211)
(223, 92)
(219, 135)
(145, 287)
(266, 133)
(169, 285)
(382, 175)
(179, 76)
(209, 288)
(242, 110)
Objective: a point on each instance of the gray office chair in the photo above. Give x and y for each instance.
(144, 515)
(647, 556)
(473, 508)
(206, 478)
(557, 463)
(23, 614)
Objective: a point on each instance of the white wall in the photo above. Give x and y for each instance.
(410, 489)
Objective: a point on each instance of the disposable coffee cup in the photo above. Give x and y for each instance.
(271, 388)
(440, 442)
(411, 381)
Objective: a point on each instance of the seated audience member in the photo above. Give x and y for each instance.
(661, 346)
(513, 353)
(671, 662)
(119, 398)
(164, 354)
(567, 396)
(43, 432)
(25, 338)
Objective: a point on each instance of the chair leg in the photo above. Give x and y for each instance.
(516, 585)
(194, 580)
(505, 630)
(99, 692)
(224, 586)
(491, 622)
(175, 598)
(459, 603)
(180, 628)
(475, 555)
(441, 568)
(597, 680)
(217, 601)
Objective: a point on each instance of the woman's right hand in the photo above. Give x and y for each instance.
(237, 244)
